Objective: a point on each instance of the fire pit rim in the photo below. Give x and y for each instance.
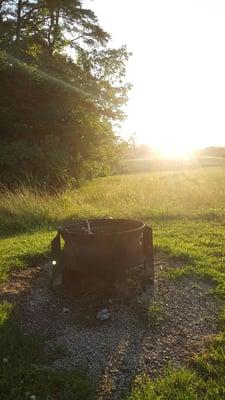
(66, 228)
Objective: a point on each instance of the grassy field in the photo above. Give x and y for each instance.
(162, 164)
(186, 208)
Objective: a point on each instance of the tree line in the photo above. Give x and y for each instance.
(62, 92)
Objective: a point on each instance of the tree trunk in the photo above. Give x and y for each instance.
(1, 15)
(53, 29)
(18, 22)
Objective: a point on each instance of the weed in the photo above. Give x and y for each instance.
(156, 315)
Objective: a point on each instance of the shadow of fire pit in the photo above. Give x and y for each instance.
(88, 294)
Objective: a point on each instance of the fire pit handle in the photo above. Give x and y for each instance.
(56, 245)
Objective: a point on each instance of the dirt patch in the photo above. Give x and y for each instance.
(159, 324)
(19, 284)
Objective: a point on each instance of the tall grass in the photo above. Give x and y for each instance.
(179, 205)
(157, 196)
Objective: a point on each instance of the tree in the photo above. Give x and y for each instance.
(56, 95)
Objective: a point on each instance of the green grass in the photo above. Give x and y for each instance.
(22, 250)
(160, 196)
(187, 211)
(203, 379)
(162, 164)
(182, 384)
(155, 315)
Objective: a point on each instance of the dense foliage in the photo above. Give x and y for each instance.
(62, 92)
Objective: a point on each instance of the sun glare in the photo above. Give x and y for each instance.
(168, 144)
(174, 151)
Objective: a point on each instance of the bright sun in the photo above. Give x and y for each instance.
(167, 137)
(174, 150)
(170, 145)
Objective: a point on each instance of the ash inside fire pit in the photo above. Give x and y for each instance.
(102, 248)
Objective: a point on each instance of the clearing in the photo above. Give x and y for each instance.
(177, 322)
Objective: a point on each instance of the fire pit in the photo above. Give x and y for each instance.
(103, 247)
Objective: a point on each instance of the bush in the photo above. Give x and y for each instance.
(50, 162)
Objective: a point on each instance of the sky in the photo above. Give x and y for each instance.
(177, 103)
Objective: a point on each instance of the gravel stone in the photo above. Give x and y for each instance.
(103, 314)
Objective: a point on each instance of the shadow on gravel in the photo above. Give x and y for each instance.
(23, 362)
